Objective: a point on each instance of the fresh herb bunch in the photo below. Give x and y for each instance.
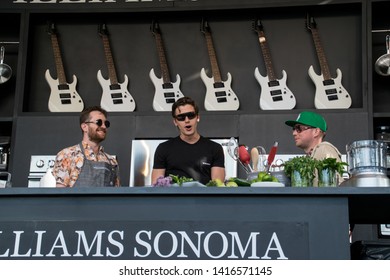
(180, 180)
(305, 165)
(331, 164)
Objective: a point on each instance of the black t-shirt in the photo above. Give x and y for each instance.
(190, 160)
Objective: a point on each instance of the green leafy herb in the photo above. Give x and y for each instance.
(180, 180)
(305, 165)
(331, 164)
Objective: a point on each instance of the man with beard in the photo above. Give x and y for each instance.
(86, 164)
(189, 154)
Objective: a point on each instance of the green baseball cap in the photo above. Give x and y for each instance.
(310, 119)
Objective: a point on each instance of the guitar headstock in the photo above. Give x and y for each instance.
(51, 28)
(155, 27)
(310, 22)
(205, 27)
(257, 25)
(102, 29)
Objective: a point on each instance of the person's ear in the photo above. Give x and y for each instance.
(84, 127)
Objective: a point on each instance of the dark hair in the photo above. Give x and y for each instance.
(182, 102)
(85, 113)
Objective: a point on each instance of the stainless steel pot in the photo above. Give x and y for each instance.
(382, 65)
(5, 70)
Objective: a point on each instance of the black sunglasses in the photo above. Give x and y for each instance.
(182, 117)
(99, 122)
(299, 128)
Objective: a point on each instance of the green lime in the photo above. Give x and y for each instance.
(261, 175)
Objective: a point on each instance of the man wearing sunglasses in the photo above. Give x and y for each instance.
(309, 130)
(189, 154)
(86, 164)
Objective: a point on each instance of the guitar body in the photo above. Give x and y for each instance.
(63, 98)
(275, 95)
(115, 97)
(219, 96)
(165, 93)
(330, 94)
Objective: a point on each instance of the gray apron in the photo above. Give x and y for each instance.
(96, 173)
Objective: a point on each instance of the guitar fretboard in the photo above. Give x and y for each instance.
(162, 58)
(110, 61)
(58, 59)
(213, 58)
(266, 55)
(320, 54)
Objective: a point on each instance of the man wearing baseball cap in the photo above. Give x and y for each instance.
(309, 130)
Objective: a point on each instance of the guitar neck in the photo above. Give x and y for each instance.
(58, 59)
(162, 58)
(213, 58)
(109, 60)
(321, 54)
(266, 56)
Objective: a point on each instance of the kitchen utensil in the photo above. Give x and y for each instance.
(382, 64)
(244, 156)
(232, 149)
(5, 70)
(255, 158)
(258, 158)
(271, 156)
(5, 179)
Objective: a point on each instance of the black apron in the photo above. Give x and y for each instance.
(96, 173)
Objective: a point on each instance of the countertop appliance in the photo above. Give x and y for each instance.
(4, 152)
(367, 163)
(38, 167)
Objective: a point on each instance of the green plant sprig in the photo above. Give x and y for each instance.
(305, 165)
(331, 164)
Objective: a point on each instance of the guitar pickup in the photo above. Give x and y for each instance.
(277, 98)
(273, 83)
(331, 91)
(66, 101)
(169, 94)
(219, 85)
(276, 92)
(328, 82)
(65, 96)
(115, 86)
(170, 100)
(117, 101)
(63, 87)
(220, 94)
(167, 85)
(333, 97)
(116, 95)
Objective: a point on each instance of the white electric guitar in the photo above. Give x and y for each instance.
(63, 96)
(219, 94)
(115, 96)
(330, 93)
(275, 95)
(166, 91)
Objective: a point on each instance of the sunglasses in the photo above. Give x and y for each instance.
(99, 123)
(299, 128)
(182, 117)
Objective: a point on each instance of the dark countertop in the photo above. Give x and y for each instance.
(367, 205)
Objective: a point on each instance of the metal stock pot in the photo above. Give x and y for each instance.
(5, 70)
(382, 65)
